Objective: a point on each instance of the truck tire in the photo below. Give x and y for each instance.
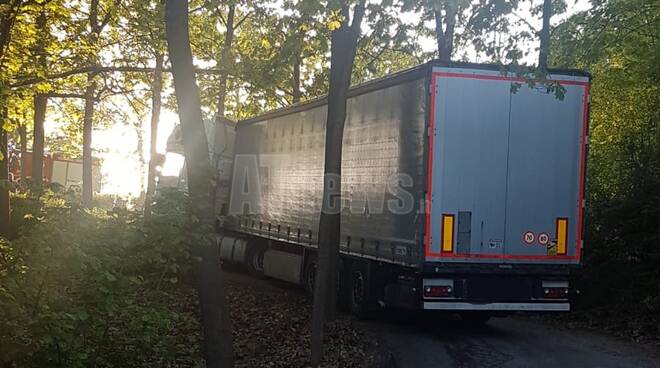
(342, 287)
(254, 260)
(358, 290)
(309, 279)
(309, 276)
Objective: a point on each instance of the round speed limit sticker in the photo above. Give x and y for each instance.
(528, 237)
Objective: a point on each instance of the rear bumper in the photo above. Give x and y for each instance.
(540, 307)
(483, 292)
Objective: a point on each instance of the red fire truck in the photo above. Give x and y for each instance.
(56, 169)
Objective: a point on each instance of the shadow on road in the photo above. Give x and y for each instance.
(433, 339)
(437, 324)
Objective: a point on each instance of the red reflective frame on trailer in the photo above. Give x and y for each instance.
(429, 182)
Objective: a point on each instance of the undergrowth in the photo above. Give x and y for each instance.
(93, 288)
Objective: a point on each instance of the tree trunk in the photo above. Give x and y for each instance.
(22, 135)
(88, 126)
(226, 55)
(4, 179)
(6, 21)
(40, 106)
(156, 93)
(96, 28)
(445, 37)
(139, 151)
(295, 80)
(544, 35)
(343, 48)
(215, 320)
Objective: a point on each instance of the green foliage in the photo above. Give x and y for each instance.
(82, 288)
(618, 41)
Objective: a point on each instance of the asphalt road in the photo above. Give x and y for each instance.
(420, 340)
(428, 341)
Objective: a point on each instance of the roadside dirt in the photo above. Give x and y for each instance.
(271, 328)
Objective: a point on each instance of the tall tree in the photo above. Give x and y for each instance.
(40, 103)
(97, 23)
(458, 23)
(226, 61)
(23, 143)
(221, 31)
(40, 106)
(445, 13)
(544, 35)
(217, 329)
(156, 102)
(88, 126)
(7, 19)
(296, 93)
(343, 47)
(4, 178)
(145, 18)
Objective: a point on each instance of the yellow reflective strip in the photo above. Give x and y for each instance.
(447, 233)
(562, 235)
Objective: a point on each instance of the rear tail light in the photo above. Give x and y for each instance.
(555, 292)
(437, 291)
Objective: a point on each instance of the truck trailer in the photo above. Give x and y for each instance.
(462, 189)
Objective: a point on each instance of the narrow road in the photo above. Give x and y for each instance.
(430, 341)
(503, 342)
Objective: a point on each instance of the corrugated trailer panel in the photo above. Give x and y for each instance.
(508, 164)
(383, 152)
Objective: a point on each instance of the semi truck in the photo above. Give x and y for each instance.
(462, 189)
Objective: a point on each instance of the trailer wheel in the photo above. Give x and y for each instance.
(342, 287)
(309, 277)
(254, 260)
(358, 290)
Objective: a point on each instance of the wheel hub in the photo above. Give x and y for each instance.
(358, 289)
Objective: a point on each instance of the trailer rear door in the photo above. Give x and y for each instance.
(506, 169)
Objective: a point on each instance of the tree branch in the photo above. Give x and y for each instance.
(27, 80)
(358, 14)
(108, 16)
(238, 24)
(65, 95)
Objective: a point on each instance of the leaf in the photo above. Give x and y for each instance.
(333, 24)
(110, 277)
(83, 316)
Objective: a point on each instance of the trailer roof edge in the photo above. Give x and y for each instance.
(406, 75)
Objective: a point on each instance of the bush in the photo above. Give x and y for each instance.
(82, 288)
